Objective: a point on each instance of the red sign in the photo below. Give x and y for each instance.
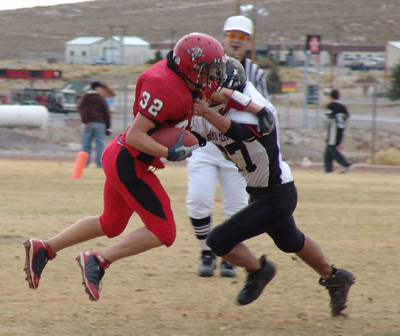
(313, 44)
(288, 86)
(3, 99)
(30, 74)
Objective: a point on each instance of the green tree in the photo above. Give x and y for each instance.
(274, 82)
(157, 57)
(394, 89)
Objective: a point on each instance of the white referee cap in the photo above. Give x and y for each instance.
(239, 22)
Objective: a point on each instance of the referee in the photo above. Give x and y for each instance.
(236, 39)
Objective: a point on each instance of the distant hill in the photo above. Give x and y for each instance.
(46, 29)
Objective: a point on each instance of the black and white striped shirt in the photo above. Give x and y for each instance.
(256, 76)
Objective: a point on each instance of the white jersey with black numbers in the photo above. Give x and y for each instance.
(258, 159)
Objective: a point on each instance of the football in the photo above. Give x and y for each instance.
(168, 137)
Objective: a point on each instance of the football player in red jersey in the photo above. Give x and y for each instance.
(163, 98)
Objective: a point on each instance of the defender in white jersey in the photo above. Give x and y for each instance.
(273, 199)
(206, 166)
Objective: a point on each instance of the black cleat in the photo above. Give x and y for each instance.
(256, 282)
(227, 269)
(207, 264)
(338, 286)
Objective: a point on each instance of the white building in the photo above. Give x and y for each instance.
(81, 49)
(133, 50)
(392, 54)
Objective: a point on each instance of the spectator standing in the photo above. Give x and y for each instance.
(207, 167)
(96, 117)
(336, 120)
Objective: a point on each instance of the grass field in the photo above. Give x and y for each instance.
(354, 217)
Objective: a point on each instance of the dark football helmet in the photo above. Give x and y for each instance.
(235, 75)
(201, 60)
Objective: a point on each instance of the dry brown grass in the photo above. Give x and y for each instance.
(389, 157)
(354, 217)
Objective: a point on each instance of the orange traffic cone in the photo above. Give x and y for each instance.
(80, 162)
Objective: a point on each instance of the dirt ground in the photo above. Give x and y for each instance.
(354, 217)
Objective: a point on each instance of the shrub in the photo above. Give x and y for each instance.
(394, 89)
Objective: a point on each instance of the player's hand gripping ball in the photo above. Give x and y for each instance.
(180, 142)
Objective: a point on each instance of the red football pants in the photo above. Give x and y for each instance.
(130, 186)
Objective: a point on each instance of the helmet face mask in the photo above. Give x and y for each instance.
(235, 75)
(214, 76)
(201, 60)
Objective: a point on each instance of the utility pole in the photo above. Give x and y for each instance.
(238, 7)
(111, 30)
(253, 43)
(253, 39)
(251, 11)
(121, 83)
(121, 45)
(172, 33)
(385, 72)
(334, 52)
(113, 58)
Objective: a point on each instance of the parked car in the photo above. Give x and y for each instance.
(100, 61)
(360, 66)
(368, 64)
(378, 65)
(29, 102)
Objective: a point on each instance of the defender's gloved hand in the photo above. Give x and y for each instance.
(266, 120)
(179, 152)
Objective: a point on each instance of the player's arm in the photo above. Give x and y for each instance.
(201, 109)
(82, 110)
(329, 113)
(138, 137)
(110, 92)
(226, 126)
(238, 101)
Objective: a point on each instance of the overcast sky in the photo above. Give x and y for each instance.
(15, 4)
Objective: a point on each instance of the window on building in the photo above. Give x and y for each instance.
(83, 53)
(71, 53)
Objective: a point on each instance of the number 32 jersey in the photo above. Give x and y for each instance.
(257, 157)
(162, 96)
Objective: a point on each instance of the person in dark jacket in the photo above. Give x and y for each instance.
(95, 115)
(337, 116)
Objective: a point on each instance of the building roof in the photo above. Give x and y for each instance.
(128, 40)
(87, 40)
(132, 40)
(395, 44)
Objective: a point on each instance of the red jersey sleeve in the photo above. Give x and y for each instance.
(162, 97)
